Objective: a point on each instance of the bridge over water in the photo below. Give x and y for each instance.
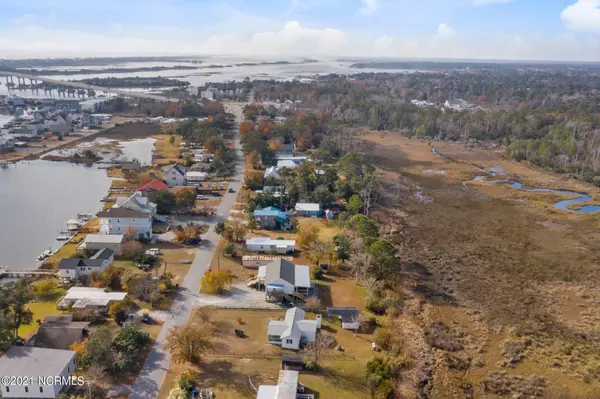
(79, 85)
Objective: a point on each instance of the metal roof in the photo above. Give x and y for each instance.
(34, 362)
(348, 314)
(122, 213)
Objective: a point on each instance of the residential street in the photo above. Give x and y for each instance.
(153, 373)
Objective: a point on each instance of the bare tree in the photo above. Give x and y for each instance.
(360, 264)
(367, 189)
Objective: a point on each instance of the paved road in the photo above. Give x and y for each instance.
(154, 371)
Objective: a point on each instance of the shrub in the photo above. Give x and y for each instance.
(311, 365)
(229, 250)
(239, 333)
(383, 338)
(317, 273)
(313, 304)
(440, 336)
(185, 380)
(215, 282)
(131, 249)
(376, 305)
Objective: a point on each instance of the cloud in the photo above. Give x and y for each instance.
(370, 7)
(445, 31)
(583, 15)
(383, 45)
(488, 2)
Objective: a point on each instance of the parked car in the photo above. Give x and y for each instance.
(231, 190)
(201, 197)
(216, 194)
(153, 251)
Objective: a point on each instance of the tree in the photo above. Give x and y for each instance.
(360, 264)
(188, 343)
(229, 250)
(246, 127)
(120, 310)
(252, 225)
(111, 277)
(21, 296)
(131, 249)
(186, 198)
(307, 234)
(318, 249)
(172, 140)
(45, 286)
(365, 227)
(128, 342)
(219, 227)
(164, 200)
(368, 186)
(323, 196)
(235, 231)
(354, 204)
(384, 256)
(253, 179)
(342, 247)
(130, 233)
(143, 287)
(215, 282)
(99, 350)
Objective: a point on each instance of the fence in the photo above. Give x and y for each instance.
(263, 355)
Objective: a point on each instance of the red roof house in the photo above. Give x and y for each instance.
(152, 186)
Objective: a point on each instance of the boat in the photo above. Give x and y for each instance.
(63, 238)
(46, 254)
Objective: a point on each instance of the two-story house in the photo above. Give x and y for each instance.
(73, 268)
(120, 220)
(174, 175)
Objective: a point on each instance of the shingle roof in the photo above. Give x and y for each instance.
(155, 185)
(60, 335)
(122, 213)
(103, 254)
(69, 264)
(348, 314)
(177, 168)
(34, 362)
(281, 268)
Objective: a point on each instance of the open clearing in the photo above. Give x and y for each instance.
(515, 278)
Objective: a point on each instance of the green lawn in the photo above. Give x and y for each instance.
(41, 307)
(127, 265)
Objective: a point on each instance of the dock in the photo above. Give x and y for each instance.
(6, 272)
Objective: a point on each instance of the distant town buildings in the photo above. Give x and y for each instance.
(458, 105)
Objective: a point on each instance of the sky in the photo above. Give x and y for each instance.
(562, 30)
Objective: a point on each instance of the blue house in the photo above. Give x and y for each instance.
(308, 209)
(272, 217)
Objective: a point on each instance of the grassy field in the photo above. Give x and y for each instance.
(229, 375)
(514, 278)
(41, 307)
(169, 152)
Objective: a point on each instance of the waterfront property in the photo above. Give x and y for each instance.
(36, 363)
(272, 218)
(267, 245)
(293, 330)
(120, 220)
(308, 209)
(73, 267)
(152, 186)
(133, 166)
(137, 202)
(283, 278)
(60, 332)
(174, 175)
(96, 242)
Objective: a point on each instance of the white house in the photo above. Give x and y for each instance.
(293, 330)
(271, 176)
(282, 276)
(458, 105)
(287, 387)
(119, 220)
(96, 242)
(348, 315)
(72, 268)
(35, 363)
(262, 244)
(174, 175)
(89, 297)
(137, 202)
(286, 163)
(195, 178)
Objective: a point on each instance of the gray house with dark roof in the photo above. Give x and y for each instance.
(60, 332)
(283, 277)
(73, 268)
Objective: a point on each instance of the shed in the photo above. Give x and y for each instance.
(292, 362)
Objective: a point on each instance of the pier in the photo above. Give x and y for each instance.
(6, 272)
(70, 87)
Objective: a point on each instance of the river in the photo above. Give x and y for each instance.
(37, 199)
(563, 205)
